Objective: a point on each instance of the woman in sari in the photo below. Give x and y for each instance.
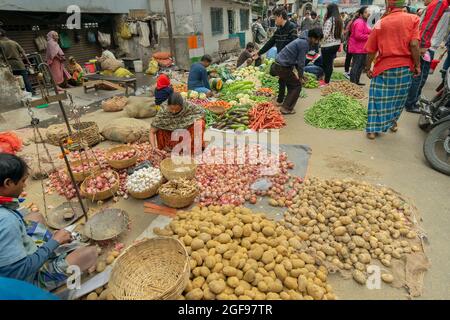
(55, 59)
(177, 115)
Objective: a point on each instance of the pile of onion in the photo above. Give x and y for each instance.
(231, 183)
(101, 183)
(122, 155)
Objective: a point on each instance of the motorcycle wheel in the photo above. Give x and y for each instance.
(438, 138)
(424, 123)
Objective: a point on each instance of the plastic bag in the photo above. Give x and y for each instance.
(64, 40)
(153, 67)
(123, 73)
(91, 37)
(10, 143)
(104, 39)
(125, 32)
(165, 63)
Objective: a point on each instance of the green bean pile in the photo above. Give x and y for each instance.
(337, 111)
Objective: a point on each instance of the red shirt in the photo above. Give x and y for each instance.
(390, 39)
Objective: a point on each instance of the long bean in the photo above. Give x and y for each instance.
(337, 111)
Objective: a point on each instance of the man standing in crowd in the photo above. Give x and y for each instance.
(434, 11)
(15, 55)
(259, 34)
(306, 22)
(286, 32)
(394, 40)
(294, 55)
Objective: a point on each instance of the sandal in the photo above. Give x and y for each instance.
(371, 135)
(286, 111)
(394, 127)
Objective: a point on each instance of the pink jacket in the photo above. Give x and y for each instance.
(359, 33)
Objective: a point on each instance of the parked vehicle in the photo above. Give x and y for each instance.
(435, 118)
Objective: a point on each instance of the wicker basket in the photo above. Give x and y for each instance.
(170, 170)
(100, 195)
(85, 134)
(121, 164)
(80, 176)
(56, 133)
(153, 269)
(147, 193)
(217, 110)
(178, 202)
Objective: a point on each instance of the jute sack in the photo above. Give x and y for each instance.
(141, 107)
(126, 130)
(114, 104)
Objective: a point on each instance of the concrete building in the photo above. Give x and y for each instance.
(214, 19)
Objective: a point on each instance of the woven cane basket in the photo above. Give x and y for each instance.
(172, 171)
(103, 195)
(80, 176)
(147, 193)
(121, 164)
(85, 134)
(154, 269)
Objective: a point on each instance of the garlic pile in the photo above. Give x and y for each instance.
(143, 179)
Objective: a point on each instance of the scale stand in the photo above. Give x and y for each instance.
(47, 98)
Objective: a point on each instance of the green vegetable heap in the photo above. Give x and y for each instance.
(336, 75)
(337, 111)
(311, 81)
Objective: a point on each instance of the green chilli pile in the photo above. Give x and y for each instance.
(311, 81)
(337, 111)
(336, 75)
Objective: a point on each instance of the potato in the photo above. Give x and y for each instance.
(229, 271)
(388, 278)
(195, 294)
(267, 257)
(291, 283)
(315, 291)
(197, 244)
(256, 253)
(115, 253)
(262, 286)
(100, 266)
(233, 282)
(280, 272)
(297, 263)
(198, 282)
(217, 286)
(359, 277)
(92, 296)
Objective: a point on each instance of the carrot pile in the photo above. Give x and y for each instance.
(218, 103)
(265, 116)
(264, 92)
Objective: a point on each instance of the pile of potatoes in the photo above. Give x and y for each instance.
(238, 254)
(345, 224)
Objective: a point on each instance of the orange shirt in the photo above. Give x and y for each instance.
(390, 39)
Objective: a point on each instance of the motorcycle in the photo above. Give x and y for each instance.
(435, 118)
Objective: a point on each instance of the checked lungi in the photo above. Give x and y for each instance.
(387, 97)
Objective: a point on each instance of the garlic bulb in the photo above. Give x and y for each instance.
(143, 179)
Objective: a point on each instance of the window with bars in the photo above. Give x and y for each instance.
(216, 21)
(245, 19)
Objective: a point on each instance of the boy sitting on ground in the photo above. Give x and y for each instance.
(26, 245)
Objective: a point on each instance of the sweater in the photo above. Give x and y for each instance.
(328, 34)
(20, 258)
(282, 36)
(359, 33)
(294, 54)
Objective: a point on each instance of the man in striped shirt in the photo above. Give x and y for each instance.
(435, 13)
